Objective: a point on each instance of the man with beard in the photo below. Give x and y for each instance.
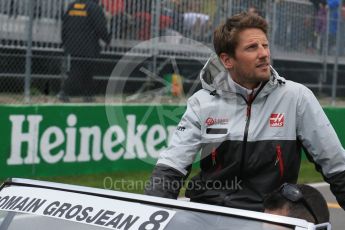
(250, 125)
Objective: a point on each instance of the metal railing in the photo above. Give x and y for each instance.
(175, 25)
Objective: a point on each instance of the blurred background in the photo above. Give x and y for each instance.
(307, 41)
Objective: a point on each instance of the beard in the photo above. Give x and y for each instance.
(248, 79)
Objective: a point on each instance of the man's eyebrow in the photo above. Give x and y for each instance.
(257, 41)
(251, 43)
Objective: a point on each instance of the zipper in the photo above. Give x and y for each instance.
(248, 115)
(280, 161)
(246, 130)
(249, 101)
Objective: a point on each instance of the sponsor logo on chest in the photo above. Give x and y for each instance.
(216, 121)
(277, 120)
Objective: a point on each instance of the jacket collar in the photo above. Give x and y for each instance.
(216, 79)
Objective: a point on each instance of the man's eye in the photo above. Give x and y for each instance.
(252, 47)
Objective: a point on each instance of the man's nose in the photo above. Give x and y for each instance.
(263, 52)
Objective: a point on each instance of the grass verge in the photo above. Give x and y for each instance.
(135, 182)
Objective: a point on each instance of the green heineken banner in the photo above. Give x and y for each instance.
(72, 139)
(336, 116)
(54, 140)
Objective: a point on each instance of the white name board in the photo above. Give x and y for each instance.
(98, 211)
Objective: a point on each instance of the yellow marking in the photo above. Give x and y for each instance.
(77, 13)
(79, 6)
(333, 205)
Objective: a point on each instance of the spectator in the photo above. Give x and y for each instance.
(119, 19)
(143, 18)
(342, 30)
(84, 25)
(114, 7)
(321, 26)
(196, 24)
(174, 9)
(298, 201)
(178, 16)
(333, 12)
(316, 3)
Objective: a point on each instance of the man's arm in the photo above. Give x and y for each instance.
(337, 183)
(99, 23)
(321, 143)
(63, 27)
(165, 182)
(174, 164)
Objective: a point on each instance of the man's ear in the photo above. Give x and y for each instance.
(226, 60)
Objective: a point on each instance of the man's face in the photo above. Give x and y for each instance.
(251, 64)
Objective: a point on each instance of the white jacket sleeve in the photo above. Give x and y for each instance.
(186, 140)
(175, 162)
(321, 143)
(317, 135)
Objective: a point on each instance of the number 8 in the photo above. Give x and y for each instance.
(153, 220)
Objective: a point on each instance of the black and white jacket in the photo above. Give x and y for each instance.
(249, 142)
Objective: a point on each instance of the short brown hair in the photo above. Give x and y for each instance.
(225, 36)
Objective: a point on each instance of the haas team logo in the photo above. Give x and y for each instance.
(216, 121)
(277, 120)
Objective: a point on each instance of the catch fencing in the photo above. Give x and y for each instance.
(161, 36)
